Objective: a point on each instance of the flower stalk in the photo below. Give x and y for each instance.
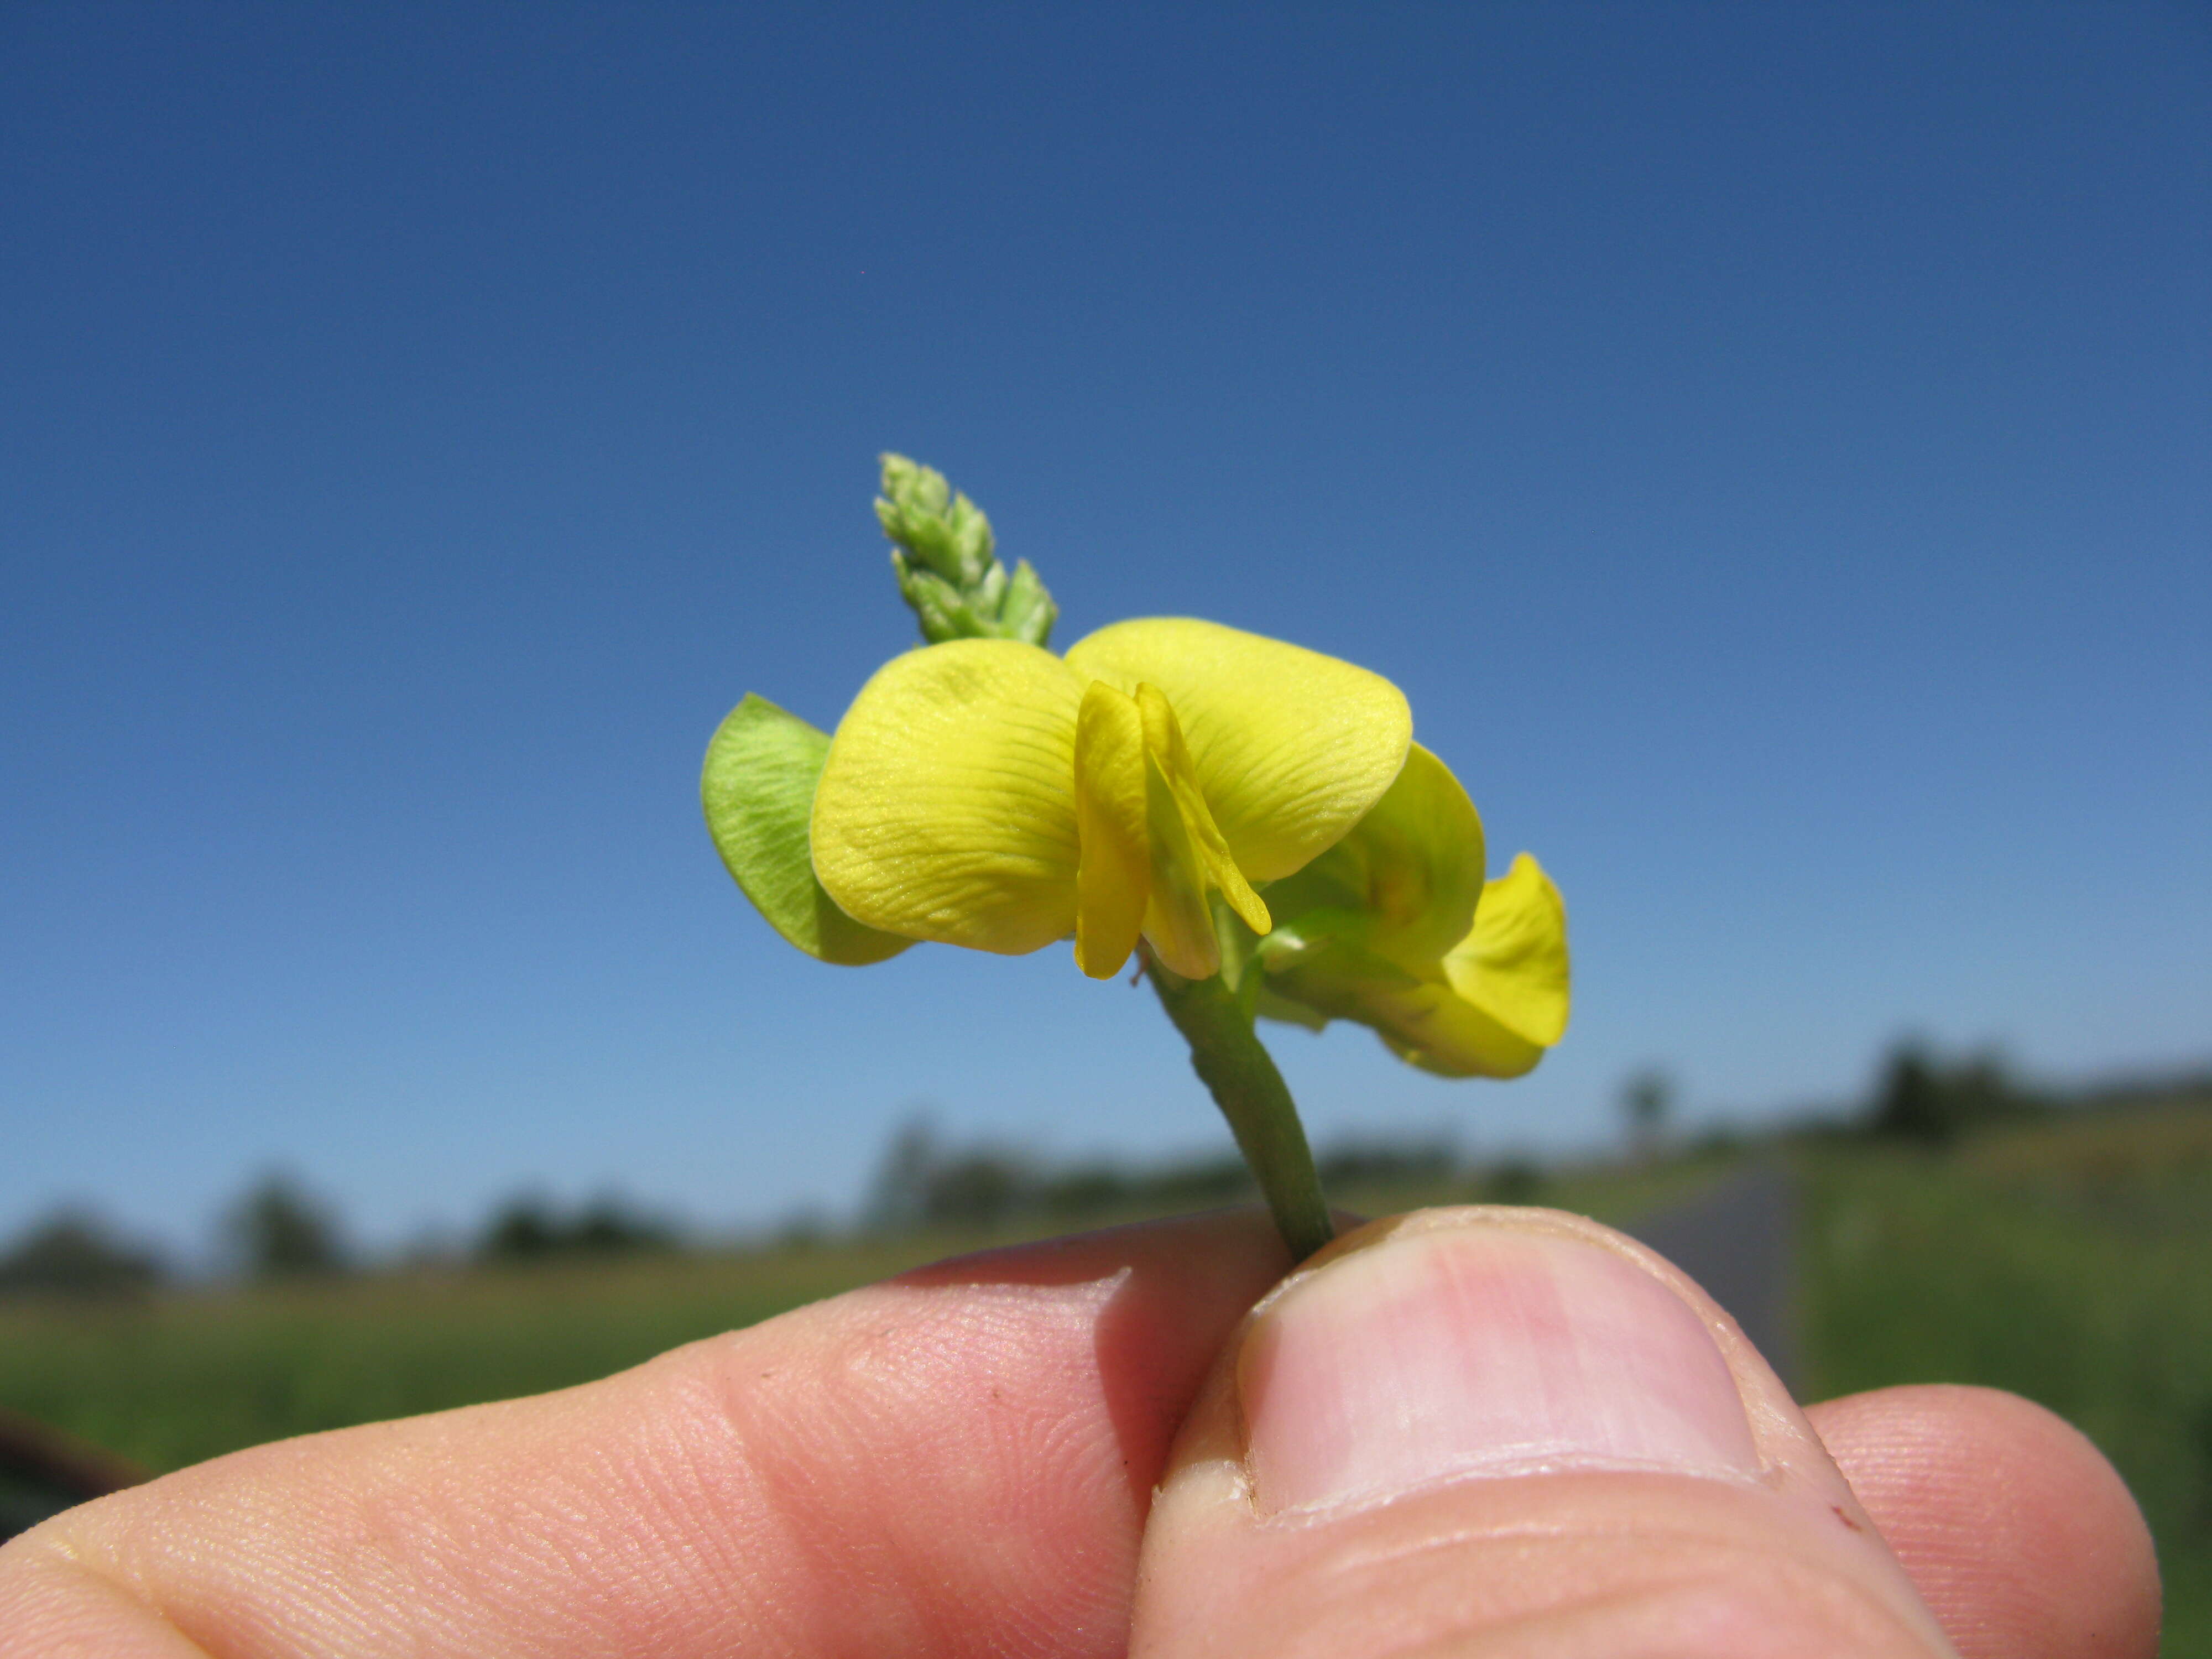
(1236, 1069)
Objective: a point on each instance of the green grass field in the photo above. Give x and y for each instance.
(2071, 1261)
(180, 1376)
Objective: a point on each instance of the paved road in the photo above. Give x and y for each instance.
(1737, 1241)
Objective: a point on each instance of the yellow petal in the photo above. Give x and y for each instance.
(1490, 1008)
(1422, 1020)
(1178, 921)
(1403, 884)
(1431, 1028)
(946, 809)
(1164, 745)
(1513, 966)
(1290, 747)
(1113, 879)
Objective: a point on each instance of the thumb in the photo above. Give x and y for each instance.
(1493, 1432)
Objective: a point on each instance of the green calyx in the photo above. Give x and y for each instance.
(758, 789)
(948, 570)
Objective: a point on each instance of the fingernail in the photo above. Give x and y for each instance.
(1483, 1349)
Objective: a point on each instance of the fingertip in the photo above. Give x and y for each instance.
(1492, 1430)
(2018, 1533)
(957, 1462)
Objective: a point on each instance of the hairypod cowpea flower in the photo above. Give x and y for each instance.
(1252, 818)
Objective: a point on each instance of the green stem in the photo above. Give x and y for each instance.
(1227, 1054)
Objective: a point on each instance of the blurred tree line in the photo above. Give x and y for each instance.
(74, 1253)
(924, 1181)
(531, 1228)
(1920, 1098)
(280, 1229)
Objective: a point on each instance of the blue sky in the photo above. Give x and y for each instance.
(1771, 446)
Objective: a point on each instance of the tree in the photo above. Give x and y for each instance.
(278, 1231)
(72, 1253)
(1919, 1098)
(522, 1230)
(527, 1229)
(1908, 1103)
(979, 1188)
(898, 1197)
(610, 1227)
(1646, 1101)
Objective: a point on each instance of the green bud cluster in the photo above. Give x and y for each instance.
(943, 554)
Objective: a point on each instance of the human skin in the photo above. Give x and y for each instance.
(964, 1460)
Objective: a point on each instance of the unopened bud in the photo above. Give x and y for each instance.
(948, 570)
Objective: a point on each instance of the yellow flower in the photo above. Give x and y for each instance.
(1149, 787)
(985, 792)
(1395, 927)
(1168, 779)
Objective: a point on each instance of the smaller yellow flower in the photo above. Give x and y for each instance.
(1395, 927)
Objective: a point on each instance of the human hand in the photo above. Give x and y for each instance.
(1474, 1432)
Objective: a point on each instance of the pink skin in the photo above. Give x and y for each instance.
(959, 1461)
(2018, 1534)
(1500, 1432)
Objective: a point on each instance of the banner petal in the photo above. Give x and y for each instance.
(1290, 747)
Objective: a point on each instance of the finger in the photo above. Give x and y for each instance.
(957, 1461)
(2022, 1539)
(1494, 1431)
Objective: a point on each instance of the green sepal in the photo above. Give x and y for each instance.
(1316, 970)
(757, 788)
(1271, 1005)
(1328, 945)
(1240, 960)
